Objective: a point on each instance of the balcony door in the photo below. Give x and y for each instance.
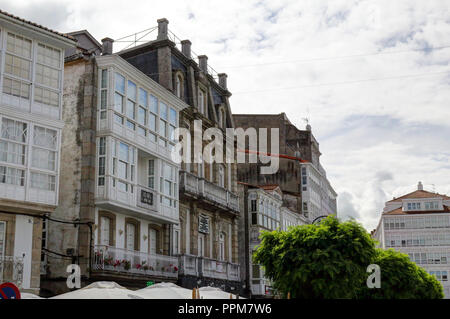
(152, 240)
(201, 245)
(131, 237)
(105, 229)
(221, 246)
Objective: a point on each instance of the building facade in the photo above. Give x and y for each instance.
(135, 214)
(261, 210)
(301, 177)
(121, 183)
(31, 81)
(418, 224)
(209, 205)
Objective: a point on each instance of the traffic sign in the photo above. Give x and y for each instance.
(9, 291)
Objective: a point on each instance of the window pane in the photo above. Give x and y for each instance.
(43, 181)
(16, 88)
(142, 97)
(44, 137)
(18, 45)
(162, 128)
(14, 130)
(120, 83)
(131, 113)
(118, 102)
(123, 152)
(152, 122)
(122, 170)
(44, 159)
(163, 111)
(131, 93)
(45, 96)
(173, 117)
(17, 66)
(47, 76)
(153, 104)
(49, 56)
(141, 115)
(104, 78)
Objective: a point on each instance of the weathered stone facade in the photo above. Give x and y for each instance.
(76, 195)
(162, 61)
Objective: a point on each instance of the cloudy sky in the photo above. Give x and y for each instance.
(373, 77)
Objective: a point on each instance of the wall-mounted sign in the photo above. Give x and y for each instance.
(203, 224)
(146, 197)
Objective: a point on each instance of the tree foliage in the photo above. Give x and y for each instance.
(330, 259)
(402, 279)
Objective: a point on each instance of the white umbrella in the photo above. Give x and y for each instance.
(101, 290)
(26, 295)
(165, 290)
(215, 293)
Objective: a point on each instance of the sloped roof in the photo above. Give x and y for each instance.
(419, 194)
(400, 211)
(37, 25)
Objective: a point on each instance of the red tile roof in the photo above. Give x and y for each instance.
(419, 194)
(38, 25)
(400, 211)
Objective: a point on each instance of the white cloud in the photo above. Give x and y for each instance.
(396, 126)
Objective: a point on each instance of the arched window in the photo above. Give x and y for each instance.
(179, 86)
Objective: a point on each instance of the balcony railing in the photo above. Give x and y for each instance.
(207, 267)
(134, 262)
(11, 270)
(188, 265)
(143, 199)
(210, 191)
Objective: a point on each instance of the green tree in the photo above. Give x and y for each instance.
(402, 279)
(327, 260)
(330, 259)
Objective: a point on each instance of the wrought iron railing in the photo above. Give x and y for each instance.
(215, 193)
(134, 262)
(11, 270)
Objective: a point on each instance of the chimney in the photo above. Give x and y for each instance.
(203, 63)
(420, 186)
(162, 29)
(186, 48)
(107, 46)
(222, 80)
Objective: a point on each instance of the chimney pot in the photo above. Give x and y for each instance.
(223, 80)
(186, 48)
(203, 63)
(162, 29)
(107, 46)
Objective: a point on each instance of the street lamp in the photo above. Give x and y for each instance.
(318, 219)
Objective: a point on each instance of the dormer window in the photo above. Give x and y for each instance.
(414, 206)
(179, 85)
(202, 101)
(222, 118)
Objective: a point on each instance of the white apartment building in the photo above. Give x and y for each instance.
(418, 224)
(318, 197)
(137, 180)
(119, 174)
(31, 81)
(264, 211)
